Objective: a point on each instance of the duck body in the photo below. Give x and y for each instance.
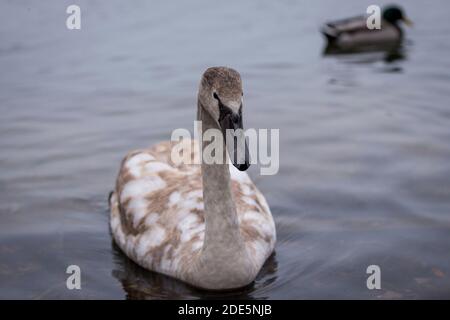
(353, 35)
(158, 221)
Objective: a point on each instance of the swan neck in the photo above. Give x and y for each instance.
(221, 222)
(224, 261)
(220, 208)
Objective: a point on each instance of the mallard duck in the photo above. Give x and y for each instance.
(207, 225)
(353, 34)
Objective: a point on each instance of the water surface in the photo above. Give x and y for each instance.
(365, 155)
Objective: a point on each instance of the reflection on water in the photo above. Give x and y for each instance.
(364, 155)
(139, 283)
(391, 57)
(387, 54)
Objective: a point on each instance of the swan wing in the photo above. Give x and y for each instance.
(157, 215)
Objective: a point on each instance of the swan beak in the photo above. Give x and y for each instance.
(233, 133)
(408, 22)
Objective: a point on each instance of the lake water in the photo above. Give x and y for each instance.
(364, 144)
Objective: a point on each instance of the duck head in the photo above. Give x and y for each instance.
(394, 14)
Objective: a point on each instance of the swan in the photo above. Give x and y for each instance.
(353, 34)
(206, 224)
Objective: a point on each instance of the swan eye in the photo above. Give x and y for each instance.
(216, 96)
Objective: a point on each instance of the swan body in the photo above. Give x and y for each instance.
(353, 34)
(207, 225)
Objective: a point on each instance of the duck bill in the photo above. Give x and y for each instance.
(234, 136)
(407, 21)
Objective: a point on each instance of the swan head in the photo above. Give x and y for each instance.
(221, 96)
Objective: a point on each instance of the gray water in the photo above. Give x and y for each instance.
(365, 143)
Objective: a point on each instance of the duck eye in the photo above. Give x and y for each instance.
(216, 96)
